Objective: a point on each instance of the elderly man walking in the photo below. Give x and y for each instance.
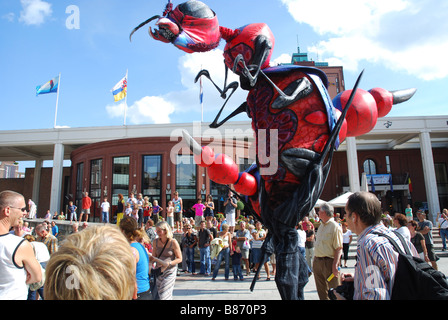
(327, 252)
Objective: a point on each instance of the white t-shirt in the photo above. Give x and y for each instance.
(346, 236)
(41, 250)
(404, 231)
(443, 223)
(105, 206)
(302, 238)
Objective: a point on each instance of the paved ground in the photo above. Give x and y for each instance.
(198, 287)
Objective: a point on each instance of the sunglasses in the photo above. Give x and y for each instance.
(21, 209)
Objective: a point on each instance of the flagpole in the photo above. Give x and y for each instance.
(126, 100)
(202, 99)
(202, 106)
(57, 101)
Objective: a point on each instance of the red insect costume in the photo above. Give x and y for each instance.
(290, 109)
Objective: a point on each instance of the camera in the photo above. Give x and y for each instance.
(346, 290)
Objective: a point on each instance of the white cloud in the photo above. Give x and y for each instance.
(160, 109)
(284, 58)
(9, 16)
(403, 35)
(155, 110)
(35, 12)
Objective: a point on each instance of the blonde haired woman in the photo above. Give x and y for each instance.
(226, 237)
(167, 255)
(95, 264)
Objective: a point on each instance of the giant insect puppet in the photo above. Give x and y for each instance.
(288, 103)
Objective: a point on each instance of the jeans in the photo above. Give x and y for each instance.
(444, 236)
(32, 294)
(224, 253)
(105, 217)
(237, 272)
(206, 262)
(190, 260)
(303, 252)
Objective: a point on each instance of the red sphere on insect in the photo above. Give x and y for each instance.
(384, 101)
(363, 113)
(246, 184)
(223, 170)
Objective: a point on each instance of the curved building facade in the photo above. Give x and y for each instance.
(156, 167)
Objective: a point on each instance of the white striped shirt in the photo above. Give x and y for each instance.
(376, 264)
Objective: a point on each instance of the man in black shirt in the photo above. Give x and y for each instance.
(205, 237)
(212, 229)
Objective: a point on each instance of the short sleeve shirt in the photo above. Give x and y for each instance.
(328, 239)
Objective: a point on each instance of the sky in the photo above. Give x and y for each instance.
(399, 43)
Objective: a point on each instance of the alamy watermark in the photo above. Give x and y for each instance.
(73, 21)
(72, 281)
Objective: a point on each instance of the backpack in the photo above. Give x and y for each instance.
(415, 279)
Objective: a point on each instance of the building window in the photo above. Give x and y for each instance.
(186, 181)
(120, 178)
(152, 172)
(96, 168)
(369, 166)
(95, 177)
(79, 184)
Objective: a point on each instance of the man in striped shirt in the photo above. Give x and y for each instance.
(376, 258)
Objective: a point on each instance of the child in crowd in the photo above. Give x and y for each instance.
(72, 211)
(199, 209)
(156, 210)
(26, 227)
(147, 209)
(134, 213)
(128, 210)
(105, 207)
(170, 214)
(236, 263)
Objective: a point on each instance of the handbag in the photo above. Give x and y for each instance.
(153, 277)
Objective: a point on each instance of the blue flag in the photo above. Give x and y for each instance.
(49, 87)
(201, 93)
(372, 184)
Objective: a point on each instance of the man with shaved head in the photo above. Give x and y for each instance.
(18, 264)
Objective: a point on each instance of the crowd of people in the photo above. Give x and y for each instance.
(364, 217)
(149, 233)
(140, 257)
